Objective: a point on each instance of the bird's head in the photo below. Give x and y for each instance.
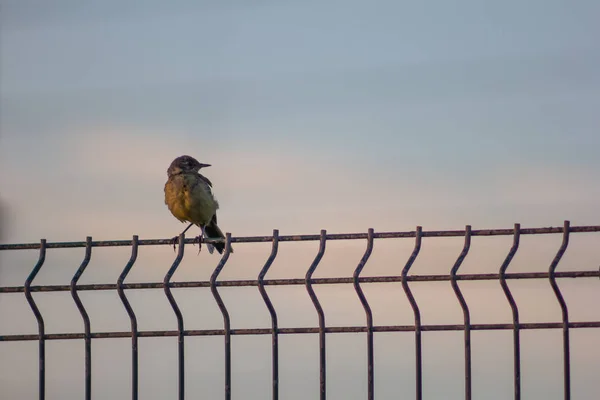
(185, 164)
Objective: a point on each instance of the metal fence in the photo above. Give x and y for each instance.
(322, 329)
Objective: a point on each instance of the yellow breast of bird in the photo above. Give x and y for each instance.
(190, 199)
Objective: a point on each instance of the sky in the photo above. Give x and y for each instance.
(337, 115)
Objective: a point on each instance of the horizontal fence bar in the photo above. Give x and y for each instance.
(302, 281)
(302, 238)
(288, 331)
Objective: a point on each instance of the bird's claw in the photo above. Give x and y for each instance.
(174, 242)
(198, 239)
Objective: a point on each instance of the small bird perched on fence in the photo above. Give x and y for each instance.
(188, 194)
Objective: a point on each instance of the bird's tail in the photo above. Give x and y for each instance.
(212, 231)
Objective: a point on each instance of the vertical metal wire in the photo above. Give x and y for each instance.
(564, 309)
(85, 317)
(269, 304)
(515, 313)
(320, 313)
(178, 315)
(226, 321)
(40, 321)
(132, 318)
(417, 313)
(369, 314)
(465, 308)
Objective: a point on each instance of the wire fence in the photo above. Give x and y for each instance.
(357, 280)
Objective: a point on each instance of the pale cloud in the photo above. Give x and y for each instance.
(112, 178)
(123, 153)
(137, 155)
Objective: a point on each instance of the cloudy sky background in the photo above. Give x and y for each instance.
(337, 115)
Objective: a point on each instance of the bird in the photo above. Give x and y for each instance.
(189, 197)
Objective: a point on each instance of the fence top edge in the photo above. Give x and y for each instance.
(315, 237)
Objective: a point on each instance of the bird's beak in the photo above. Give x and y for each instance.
(204, 165)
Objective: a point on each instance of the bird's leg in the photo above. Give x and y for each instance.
(188, 227)
(199, 239)
(176, 238)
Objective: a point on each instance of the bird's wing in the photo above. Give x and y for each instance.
(207, 181)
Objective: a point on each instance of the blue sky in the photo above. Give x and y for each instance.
(460, 101)
(341, 115)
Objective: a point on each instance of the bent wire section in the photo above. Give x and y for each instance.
(269, 304)
(85, 317)
(564, 309)
(465, 309)
(320, 313)
(178, 315)
(515, 313)
(40, 320)
(416, 312)
(132, 318)
(368, 313)
(226, 321)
